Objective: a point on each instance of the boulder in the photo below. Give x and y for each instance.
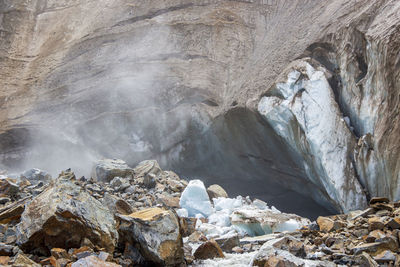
(215, 191)
(116, 204)
(385, 256)
(149, 170)
(8, 187)
(208, 250)
(378, 200)
(106, 169)
(63, 216)
(93, 261)
(228, 243)
(21, 260)
(13, 211)
(156, 234)
(375, 223)
(327, 224)
(35, 176)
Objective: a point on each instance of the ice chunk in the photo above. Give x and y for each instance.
(182, 212)
(260, 204)
(195, 199)
(220, 218)
(230, 204)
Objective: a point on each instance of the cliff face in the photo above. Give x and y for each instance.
(285, 100)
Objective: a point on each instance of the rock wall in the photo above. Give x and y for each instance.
(184, 81)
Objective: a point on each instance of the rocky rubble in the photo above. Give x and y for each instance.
(152, 217)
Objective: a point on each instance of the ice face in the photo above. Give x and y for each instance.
(195, 199)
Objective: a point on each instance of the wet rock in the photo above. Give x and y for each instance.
(215, 191)
(228, 243)
(93, 261)
(63, 216)
(35, 176)
(149, 170)
(105, 170)
(208, 250)
(156, 232)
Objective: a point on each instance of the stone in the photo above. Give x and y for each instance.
(51, 261)
(366, 260)
(13, 211)
(375, 223)
(35, 176)
(59, 253)
(385, 256)
(105, 170)
(228, 243)
(149, 170)
(169, 201)
(8, 187)
(197, 237)
(378, 200)
(156, 233)
(116, 204)
(4, 200)
(188, 225)
(215, 191)
(21, 260)
(119, 184)
(208, 250)
(6, 250)
(327, 225)
(4, 260)
(376, 247)
(93, 261)
(393, 223)
(62, 217)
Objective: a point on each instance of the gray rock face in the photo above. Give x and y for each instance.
(181, 83)
(62, 217)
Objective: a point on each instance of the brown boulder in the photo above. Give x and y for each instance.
(208, 250)
(327, 224)
(215, 191)
(378, 200)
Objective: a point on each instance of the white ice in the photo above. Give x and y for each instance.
(195, 199)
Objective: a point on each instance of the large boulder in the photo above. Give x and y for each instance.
(155, 232)
(215, 191)
(106, 169)
(63, 216)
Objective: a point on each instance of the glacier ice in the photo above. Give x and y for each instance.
(195, 199)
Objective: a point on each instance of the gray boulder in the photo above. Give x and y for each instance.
(63, 216)
(106, 169)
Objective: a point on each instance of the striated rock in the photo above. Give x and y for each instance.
(8, 187)
(6, 250)
(62, 217)
(156, 233)
(385, 256)
(393, 223)
(208, 250)
(215, 191)
(13, 211)
(105, 170)
(148, 170)
(93, 261)
(366, 260)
